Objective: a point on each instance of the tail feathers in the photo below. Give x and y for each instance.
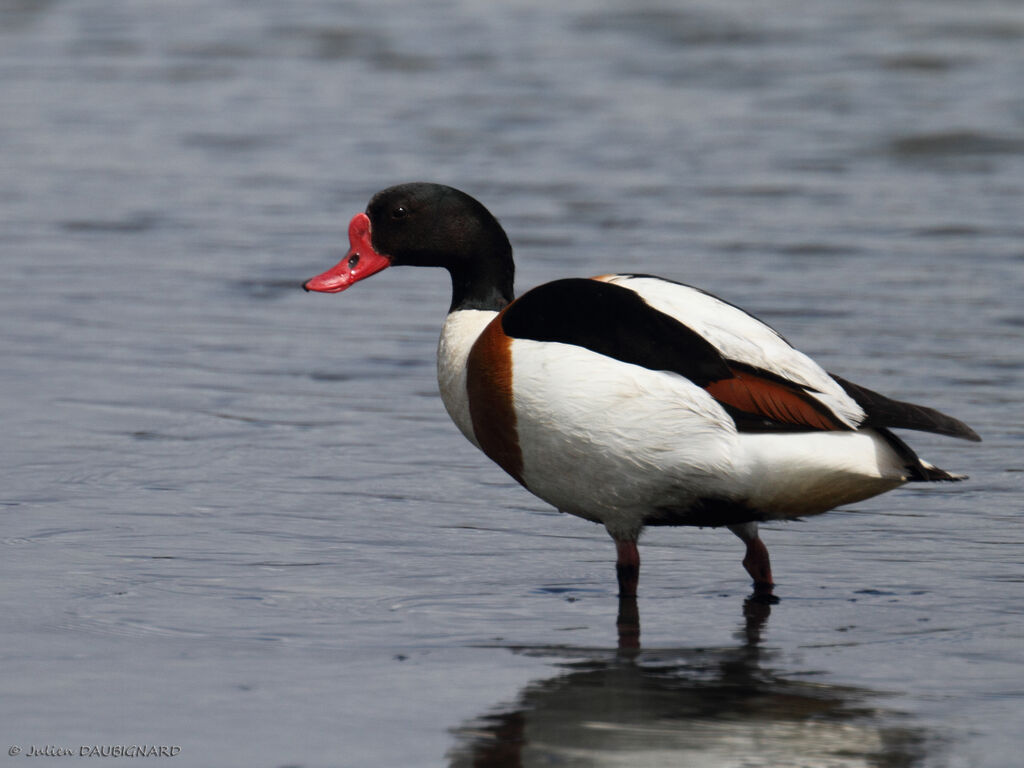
(884, 412)
(918, 470)
(933, 473)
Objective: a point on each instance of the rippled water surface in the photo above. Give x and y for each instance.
(236, 518)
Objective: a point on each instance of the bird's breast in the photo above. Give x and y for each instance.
(461, 330)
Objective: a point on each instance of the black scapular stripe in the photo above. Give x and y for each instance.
(883, 411)
(613, 321)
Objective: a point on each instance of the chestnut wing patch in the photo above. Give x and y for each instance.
(615, 321)
(761, 401)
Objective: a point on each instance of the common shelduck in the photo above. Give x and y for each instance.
(631, 400)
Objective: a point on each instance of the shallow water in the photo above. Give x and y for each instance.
(236, 517)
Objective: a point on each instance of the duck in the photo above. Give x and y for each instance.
(636, 401)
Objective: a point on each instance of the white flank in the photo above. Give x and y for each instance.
(614, 442)
(611, 441)
(793, 474)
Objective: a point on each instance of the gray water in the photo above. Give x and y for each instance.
(236, 519)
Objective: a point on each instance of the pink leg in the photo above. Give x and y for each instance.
(757, 563)
(627, 567)
(756, 560)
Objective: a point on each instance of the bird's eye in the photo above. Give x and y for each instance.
(353, 260)
(399, 212)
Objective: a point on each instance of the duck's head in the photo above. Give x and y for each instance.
(428, 225)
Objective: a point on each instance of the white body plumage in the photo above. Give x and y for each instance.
(619, 444)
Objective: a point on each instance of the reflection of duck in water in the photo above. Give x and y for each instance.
(686, 707)
(630, 400)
